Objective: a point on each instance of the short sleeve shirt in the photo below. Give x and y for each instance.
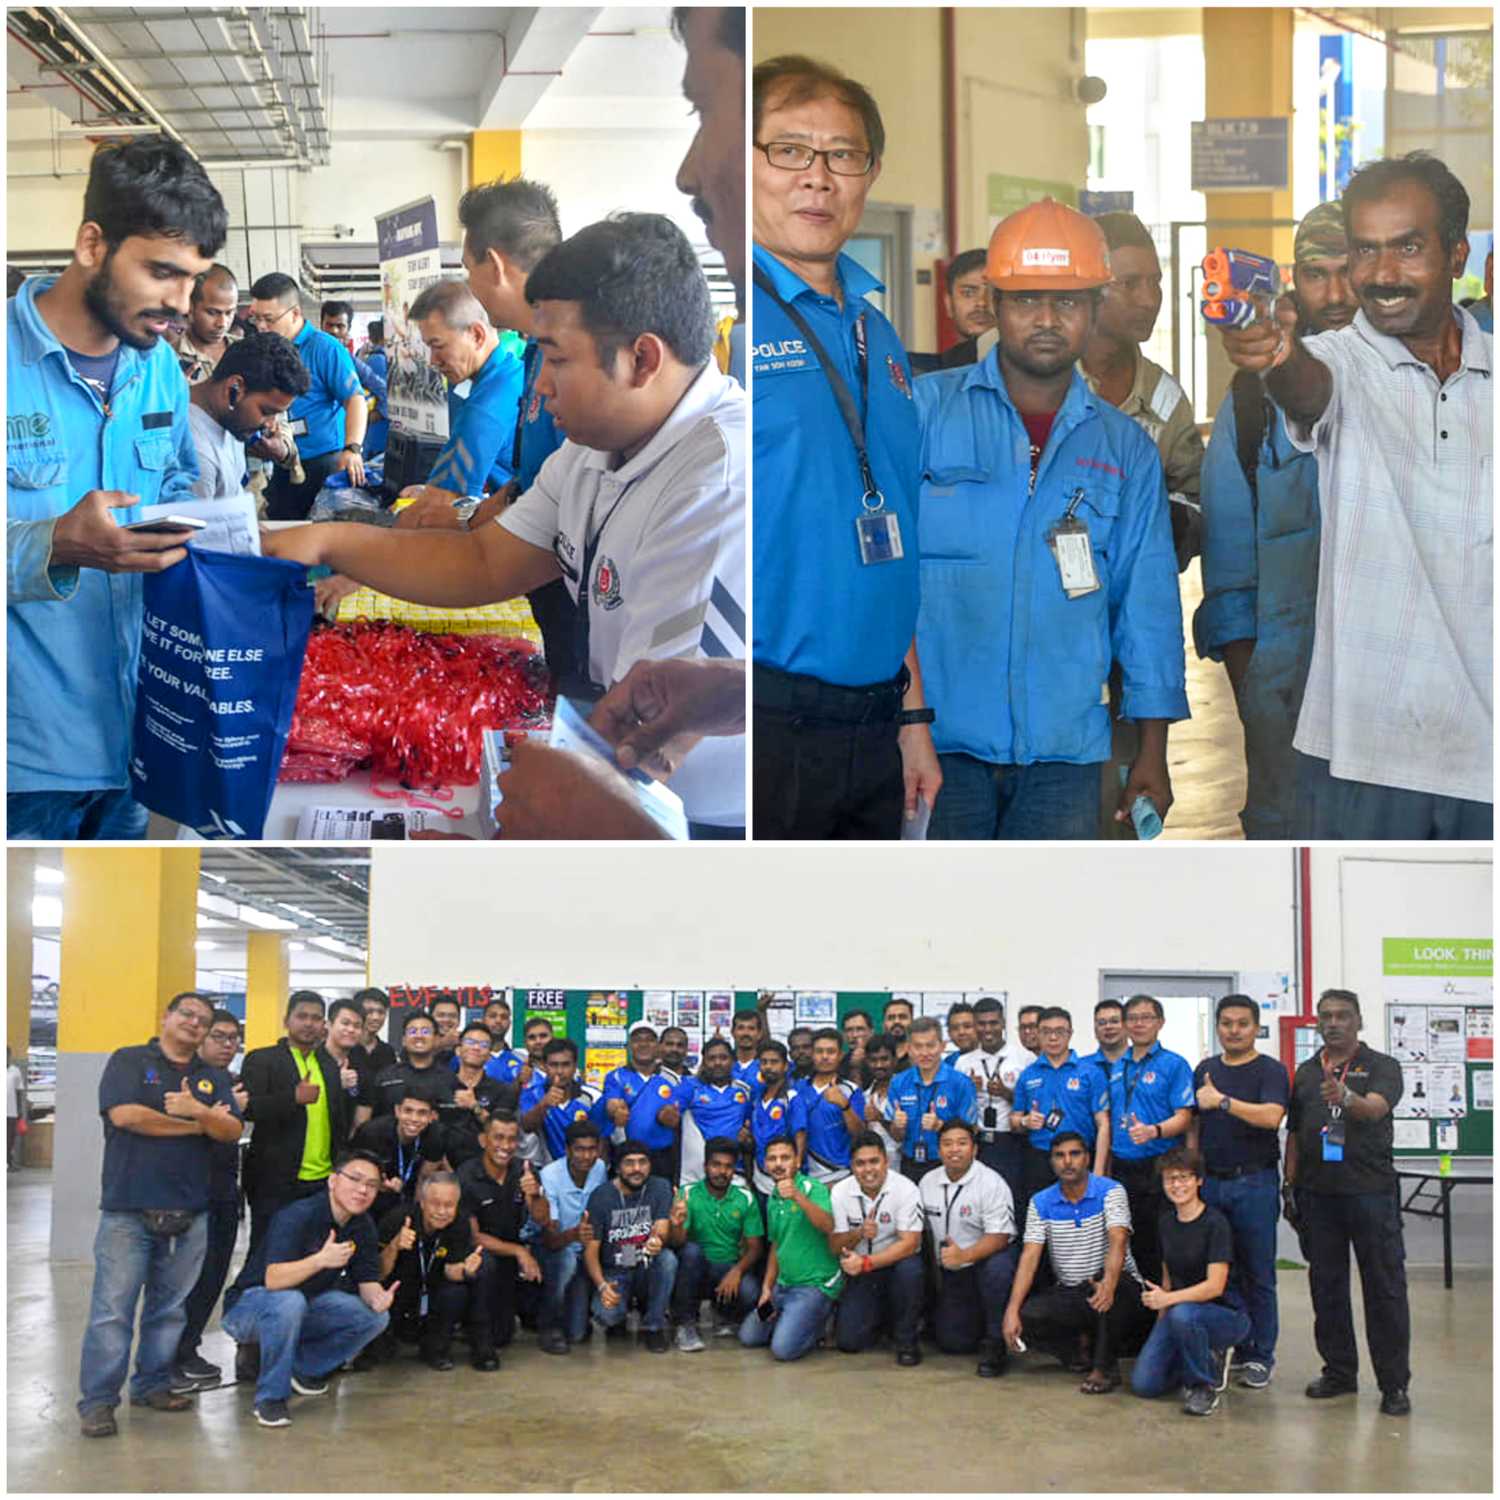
(721, 1225)
(427, 1261)
(980, 1066)
(301, 1229)
(1188, 1250)
(803, 1257)
(896, 1210)
(1225, 1141)
(221, 458)
(979, 1203)
(317, 417)
(1076, 1234)
(622, 1221)
(499, 1208)
(1150, 1091)
(1367, 1165)
(1077, 1090)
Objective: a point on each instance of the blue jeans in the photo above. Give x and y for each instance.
(55, 816)
(300, 1337)
(649, 1284)
(891, 1296)
(1047, 800)
(1329, 808)
(128, 1261)
(802, 1313)
(697, 1276)
(1180, 1350)
(1252, 1204)
(565, 1292)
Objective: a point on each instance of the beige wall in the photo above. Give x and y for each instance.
(1016, 112)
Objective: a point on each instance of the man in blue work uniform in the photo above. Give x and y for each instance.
(1151, 1108)
(638, 1101)
(713, 1104)
(1058, 1092)
(1261, 522)
(924, 1096)
(163, 1107)
(1046, 557)
(374, 372)
(96, 424)
(841, 736)
(780, 1108)
(556, 1098)
(329, 421)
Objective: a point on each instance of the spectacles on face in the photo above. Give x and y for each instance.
(842, 161)
(196, 1019)
(225, 1038)
(475, 1043)
(417, 1031)
(266, 320)
(362, 1183)
(1054, 1033)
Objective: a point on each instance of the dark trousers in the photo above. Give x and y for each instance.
(223, 1229)
(888, 1298)
(494, 1293)
(286, 501)
(697, 1276)
(827, 758)
(1370, 1225)
(1331, 808)
(1002, 1154)
(1052, 1320)
(915, 1171)
(970, 1306)
(666, 1161)
(1147, 1203)
(553, 610)
(1036, 1174)
(12, 1135)
(448, 1305)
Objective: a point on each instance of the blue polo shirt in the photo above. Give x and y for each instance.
(950, 1096)
(820, 611)
(334, 381)
(647, 1094)
(301, 1229)
(505, 1067)
(714, 1109)
(1078, 1088)
(827, 1133)
(156, 1171)
(1099, 1060)
(584, 1105)
(749, 1073)
(540, 438)
(786, 1114)
(481, 429)
(567, 1200)
(1150, 1090)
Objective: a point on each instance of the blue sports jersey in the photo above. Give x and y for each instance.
(646, 1094)
(481, 429)
(709, 1110)
(505, 1067)
(317, 416)
(1077, 1088)
(827, 1131)
(1150, 1090)
(587, 1104)
(539, 436)
(950, 1096)
(786, 1114)
(749, 1073)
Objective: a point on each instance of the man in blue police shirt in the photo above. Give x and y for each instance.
(1046, 557)
(841, 737)
(162, 1106)
(96, 424)
(329, 421)
(1058, 1092)
(1151, 1108)
(925, 1095)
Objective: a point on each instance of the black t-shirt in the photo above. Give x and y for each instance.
(499, 1208)
(380, 1057)
(301, 1229)
(433, 1252)
(462, 1130)
(436, 1084)
(397, 1158)
(1227, 1142)
(1367, 1166)
(1188, 1250)
(622, 1223)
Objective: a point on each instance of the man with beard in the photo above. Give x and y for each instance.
(1394, 735)
(968, 300)
(718, 1234)
(1260, 542)
(713, 1104)
(209, 331)
(97, 425)
(895, 1022)
(1039, 576)
(256, 380)
(627, 1257)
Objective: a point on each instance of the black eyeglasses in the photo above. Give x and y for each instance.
(842, 161)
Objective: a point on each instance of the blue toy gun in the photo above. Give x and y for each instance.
(1238, 287)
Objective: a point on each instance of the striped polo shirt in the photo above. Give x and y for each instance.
(1077, 1234)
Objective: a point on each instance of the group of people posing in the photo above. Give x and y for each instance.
(842, 1187)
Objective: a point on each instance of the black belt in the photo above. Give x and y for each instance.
(809, 699)
(1228, 1174)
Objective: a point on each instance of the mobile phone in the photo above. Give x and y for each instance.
(163, 524)
(765, 1311)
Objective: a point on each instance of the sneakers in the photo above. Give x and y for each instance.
(655, 1340)
(1253, 1375)
(309, 1387)
(196, 1374)
(1201, 1400)
(272, 1414)
(1326, 1386)
(689, 1340)
(552, 1341)
(1395, 1404)
(98, 1421)
(1226, 1361)
(164, 1399)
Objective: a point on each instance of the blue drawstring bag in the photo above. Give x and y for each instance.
(222, 642)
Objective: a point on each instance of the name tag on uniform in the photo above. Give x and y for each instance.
(1074, 555)
(1333, 1141)
(298, 426)
(879, 534)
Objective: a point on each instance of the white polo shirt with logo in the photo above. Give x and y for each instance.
(896, 1209)
(981, 1066)
(979, 1203)
(668, 574)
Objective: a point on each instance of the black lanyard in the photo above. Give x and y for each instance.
(531, 362)
(869, 1213)
(425, 1258)
(1130, 1087)
(948, 1206)
(580, 682)
(853, 415)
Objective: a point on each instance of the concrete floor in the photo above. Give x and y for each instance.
(726, 1420)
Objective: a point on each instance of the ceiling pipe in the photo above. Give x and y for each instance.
(950, 128)
(121, 82)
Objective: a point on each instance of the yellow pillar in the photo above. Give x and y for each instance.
(130, 921)
(492, 154)
(267, 984)
(20, 877)
(1247, 71)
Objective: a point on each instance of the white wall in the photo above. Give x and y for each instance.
(1041, 923)
(364, 178)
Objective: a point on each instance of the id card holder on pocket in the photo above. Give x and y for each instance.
(1073, 552)
(878, 531)
(1054, 1118)
(1333, 1141)
(422, 1305)
(298, 427)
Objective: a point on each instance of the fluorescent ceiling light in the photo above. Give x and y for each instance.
(46, 911)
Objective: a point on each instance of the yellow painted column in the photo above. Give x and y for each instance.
(492, 154)
(1247, 71)
(267, 984)
(20, 877)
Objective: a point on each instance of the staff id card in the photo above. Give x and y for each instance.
(879, 533)
(1074, 554)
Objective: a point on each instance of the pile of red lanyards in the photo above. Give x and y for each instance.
(408, 704)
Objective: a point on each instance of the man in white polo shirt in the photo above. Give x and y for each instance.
(993, 1067)
(1394, 740)
(877, 1233)
(973, 1221)
(641, 511)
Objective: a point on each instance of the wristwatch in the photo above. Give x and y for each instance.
(1224, 1102)
(358, 448)
(915, 716)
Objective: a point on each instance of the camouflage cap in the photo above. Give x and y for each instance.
(1322, 234)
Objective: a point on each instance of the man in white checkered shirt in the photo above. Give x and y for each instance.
(1394, 739)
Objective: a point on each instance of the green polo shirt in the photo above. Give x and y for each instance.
(720, 1225)
(317, 1144)
(802, 1254)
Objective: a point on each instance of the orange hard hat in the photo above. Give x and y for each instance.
(1047, 247)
